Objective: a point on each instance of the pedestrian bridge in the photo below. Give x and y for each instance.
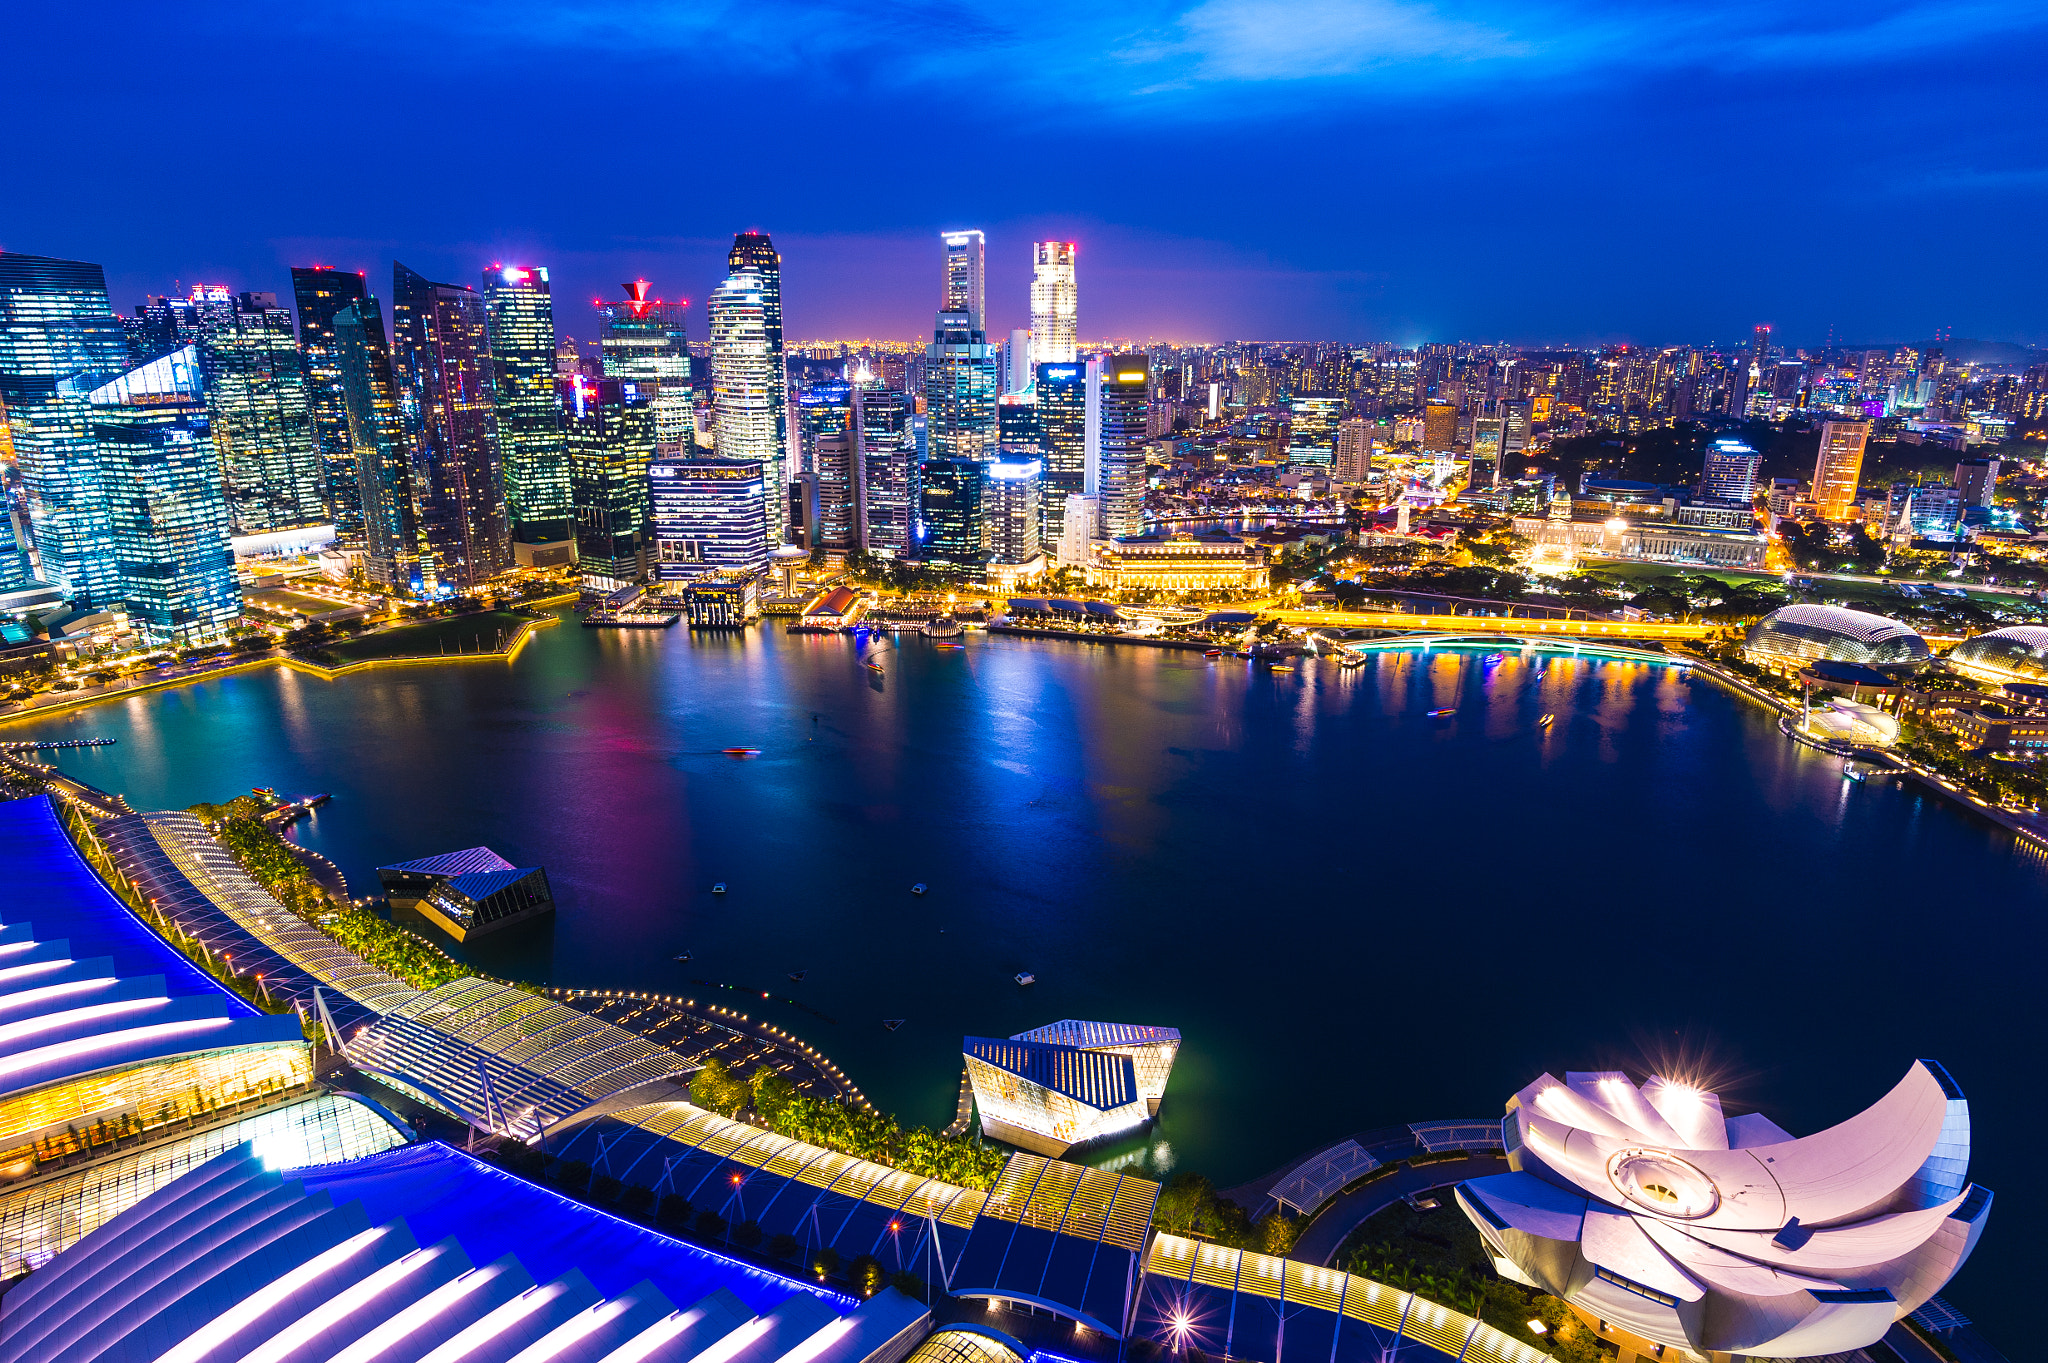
(1491, 625)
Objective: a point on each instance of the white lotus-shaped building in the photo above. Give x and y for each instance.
(1646, 1208)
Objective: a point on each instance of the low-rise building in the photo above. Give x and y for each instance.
(727, 600)
(467, 893)
(1180, 561)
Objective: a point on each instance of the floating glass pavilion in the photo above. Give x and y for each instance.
(1069, 1082)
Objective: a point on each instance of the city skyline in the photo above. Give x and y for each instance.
(1351, 170)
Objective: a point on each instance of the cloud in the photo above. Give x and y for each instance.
(1264, 40)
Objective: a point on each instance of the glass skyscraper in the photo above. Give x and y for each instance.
(609, 424)
(950, 508)
(319, 294)
(394, 553)
(1126, 382)
(519, 309)
(645, 340)
(749, 382)
(889, 469)
(966, 287)
(1055, 334)
(1010, 511)
(1729, 473)
(441, 372)
(166, 507)
(960, 389)
(59, 339)
(1062, 412)
(708, 517)
(262, 426)
(830, 419)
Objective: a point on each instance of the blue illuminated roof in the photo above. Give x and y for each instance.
(1101, 1079)
(469, 859)
(481, 885)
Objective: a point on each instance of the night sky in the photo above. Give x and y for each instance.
(1654, 171)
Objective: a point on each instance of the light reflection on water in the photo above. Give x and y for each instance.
(1357, 915)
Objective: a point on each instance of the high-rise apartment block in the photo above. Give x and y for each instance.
(1839, 468)
(1354, 450)
(1055, 334)
(749, 383)
(166, 509)
(442, 373)
(966, 288)
(519, 309)
(320, 293)
(608, 426)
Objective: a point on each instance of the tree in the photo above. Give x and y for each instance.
(771, 1095)
(1181, 1203)
(1276, 1232)
(715, 1088)
(867, 1275)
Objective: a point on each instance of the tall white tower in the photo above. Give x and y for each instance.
(967, 276)
(1054, 325)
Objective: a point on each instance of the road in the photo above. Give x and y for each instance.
(1325, 1235)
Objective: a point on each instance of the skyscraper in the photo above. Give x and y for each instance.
(645, 340)
(519, 314)
(1016, 362)
(708, 517)
(1728, 474)
(1055, 330)
(889, 470)
(394, 552)
(1839, 468)
(960, 388)
(1010, 514)
(966, 277)
(166, 509)
(59, 339)
(319, 294)
(608, 426)
(1439, 427)
(262, 426)
(1487, 433)
(441, 371)
(1354, 450)
(830, 418)
(1062, 425)
(950, 490)
(1126, 383)
(749, 383)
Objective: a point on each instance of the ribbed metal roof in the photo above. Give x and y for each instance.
(465, 862)
(1093, 1035)
(1099, 1079)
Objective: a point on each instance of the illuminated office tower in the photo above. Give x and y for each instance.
(608, 426)
(59, 339)
(519, 313)
(1487, 435)
(949, 510)
(645, 340)
(441, 373)
(708, 516)
(1839, 468)
(1515, 417)
(966, 277)
(393, 552)
(1010, 515)
(1018, 433)
(1312, 429)
(960, 389)
(1439, 427)
(166, 509)
(1055, 314)
(1062, 392)
(889, 467)
(1124, 389)
(319, 294)
(748, 381)
(262, 427)
(1016, 362)
(829, 416)
(1729, 473)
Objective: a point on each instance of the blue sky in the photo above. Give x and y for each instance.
(1356, 169)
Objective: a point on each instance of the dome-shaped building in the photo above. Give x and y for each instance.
(2018, 653)
(1799, 634)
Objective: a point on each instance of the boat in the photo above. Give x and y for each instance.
(798, 975)
(891, 1024)
(1213, 653)
(875, 668)
(741, 752)
(962, 646)
(1444, 713)
(1026, 977)
(1351, 660)
(1546, 721)
(1280, 667)
(718, 888)
(918, 888)
(683, 959)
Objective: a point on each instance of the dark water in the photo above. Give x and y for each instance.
(1356, 915)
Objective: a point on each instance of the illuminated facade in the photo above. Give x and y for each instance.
(1839, 468)
(960, 389)
(2017, 653)
(1180, 561)
(1049, 1098)
(320, 294)
(164, 503)
(830, 419)
(646, 340)
(1729, 472)
(1799, 633)
(1645, 1208)
(707, 517)
(608, 425)
(1124, 399)
(1055, 303)
(888, 470)
(950, 511)
(966, 284)
(1010, 512)
(256, 396)
(519, 311)
(442, 373)
(1062, 391)
(749, 383)
(394, 552)
(59, 339)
